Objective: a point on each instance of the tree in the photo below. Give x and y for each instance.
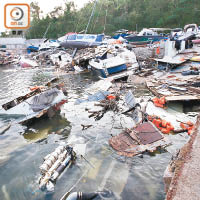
(113, 15)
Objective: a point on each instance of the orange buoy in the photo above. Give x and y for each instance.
(189, 132)
(154, 121)
(159, 102)
(164, 123)
(171, 128)
(110, 97)
(190, 128)
(189, 123)
(155, 100)
(165, 131)
(182, 125)
(162, 100)
(158, 123)
(158, 50)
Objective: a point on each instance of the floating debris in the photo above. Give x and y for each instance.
(54, 164)
(131, 142)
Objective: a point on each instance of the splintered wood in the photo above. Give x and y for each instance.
(174, 89)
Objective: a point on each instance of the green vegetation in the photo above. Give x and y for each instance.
(112, 15)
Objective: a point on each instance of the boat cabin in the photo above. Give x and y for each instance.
(147, 32)
(85, 37)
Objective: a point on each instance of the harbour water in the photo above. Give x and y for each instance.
(23, 148)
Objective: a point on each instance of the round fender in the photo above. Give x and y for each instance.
(81, 196)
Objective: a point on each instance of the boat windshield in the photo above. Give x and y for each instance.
(147, 32)
(79, 37)
(89, 37)
(85, 37)
(71, 37)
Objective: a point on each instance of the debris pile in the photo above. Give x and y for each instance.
(6, 58)
(166, 66)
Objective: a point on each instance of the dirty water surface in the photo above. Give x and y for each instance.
(23, 148)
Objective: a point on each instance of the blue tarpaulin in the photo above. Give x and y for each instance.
(98, 96)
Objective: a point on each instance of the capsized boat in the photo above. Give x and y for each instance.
(146, 36)
(34, 104)
(81, 41)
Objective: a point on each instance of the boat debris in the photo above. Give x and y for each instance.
(41, 100)
(54, 165)
(4, 128)
(131, 142)
(166, 65)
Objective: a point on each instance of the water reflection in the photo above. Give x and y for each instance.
(39, 130)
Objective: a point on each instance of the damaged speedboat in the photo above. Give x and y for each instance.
(34, 104)
(116, 64)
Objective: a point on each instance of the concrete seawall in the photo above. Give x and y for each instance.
(185, 171)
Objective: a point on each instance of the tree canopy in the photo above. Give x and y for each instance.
(112, 15)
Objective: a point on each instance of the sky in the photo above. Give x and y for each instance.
(45, 5)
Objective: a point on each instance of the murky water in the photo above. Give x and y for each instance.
(22, 148)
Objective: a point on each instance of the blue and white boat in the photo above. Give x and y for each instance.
(116, 66)
(108, 67)
(81, 41)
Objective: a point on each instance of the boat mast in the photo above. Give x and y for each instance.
(91, 16)
(104, 28)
